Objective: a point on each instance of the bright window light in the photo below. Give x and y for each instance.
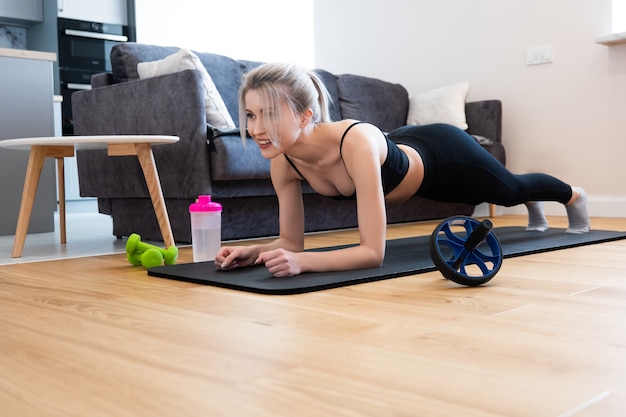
(269, 30)
(619, 16)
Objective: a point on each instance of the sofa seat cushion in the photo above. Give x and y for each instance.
(383, 104)
(231, 160)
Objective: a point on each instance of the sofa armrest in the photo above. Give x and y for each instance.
(172, 104)
(101, 79)
(484, 118)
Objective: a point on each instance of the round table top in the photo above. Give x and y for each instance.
(86, 142)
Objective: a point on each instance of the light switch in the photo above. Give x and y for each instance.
(539, 55)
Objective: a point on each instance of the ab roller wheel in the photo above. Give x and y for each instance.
(465, 250)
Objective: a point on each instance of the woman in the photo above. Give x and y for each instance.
(285, 109)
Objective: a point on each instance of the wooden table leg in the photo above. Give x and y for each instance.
(36, 159)
(61, 189)
(146, 159)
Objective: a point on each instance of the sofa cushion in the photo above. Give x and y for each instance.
(381, 103)
(225, 72)
(126, 56)
(216, 112)
(441, 105)
(249, 65)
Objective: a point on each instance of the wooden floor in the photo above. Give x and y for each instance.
(98, 337)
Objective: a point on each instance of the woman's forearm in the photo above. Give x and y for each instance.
(279, 243)
(357, 257)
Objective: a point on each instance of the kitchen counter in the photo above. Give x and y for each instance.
(26, 111)
(23, 53)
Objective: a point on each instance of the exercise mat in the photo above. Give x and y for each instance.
(405, 256)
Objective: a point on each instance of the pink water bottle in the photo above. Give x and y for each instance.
(206, 228)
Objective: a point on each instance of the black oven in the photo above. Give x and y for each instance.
(84, 50)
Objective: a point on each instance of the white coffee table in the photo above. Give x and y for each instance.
(65, 146)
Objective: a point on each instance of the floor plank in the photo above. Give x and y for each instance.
(96, 336)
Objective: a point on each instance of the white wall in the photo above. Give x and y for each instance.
(270, 30)
(565, 118)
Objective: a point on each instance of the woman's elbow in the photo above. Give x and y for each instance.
(376, 259)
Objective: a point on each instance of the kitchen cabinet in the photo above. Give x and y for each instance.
(26, 110)
(21, 12)
(102, 11)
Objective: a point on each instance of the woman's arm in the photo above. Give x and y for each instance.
(285, 256)
(291, 221)
(362, 157)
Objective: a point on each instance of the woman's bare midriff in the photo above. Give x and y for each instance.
(413, 179)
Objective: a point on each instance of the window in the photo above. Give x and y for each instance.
(618, 13)
(270, 30)
(618, 25)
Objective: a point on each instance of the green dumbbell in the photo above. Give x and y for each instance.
(149, 259)
(135, 247)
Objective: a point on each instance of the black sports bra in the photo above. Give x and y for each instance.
(392, 171)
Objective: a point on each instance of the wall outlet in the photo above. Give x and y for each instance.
(539, 55)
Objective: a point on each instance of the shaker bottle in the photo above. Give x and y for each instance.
(206, 228)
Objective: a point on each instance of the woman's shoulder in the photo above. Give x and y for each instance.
(359, 127)
(348, 124)
(335, 133)
(282, 171)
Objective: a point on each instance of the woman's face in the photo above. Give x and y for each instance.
(287, 128)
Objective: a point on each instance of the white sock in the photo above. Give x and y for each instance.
(536, 219)
(577, 214)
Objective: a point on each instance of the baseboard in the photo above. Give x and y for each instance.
(599, 206)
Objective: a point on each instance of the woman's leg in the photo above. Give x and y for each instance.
(577, 212)
(537, 221)
(458, 169)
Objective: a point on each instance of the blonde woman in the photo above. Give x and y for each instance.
(285, 110)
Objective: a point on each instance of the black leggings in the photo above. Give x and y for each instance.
(457, 169)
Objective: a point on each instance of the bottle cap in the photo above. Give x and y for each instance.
(204, 203)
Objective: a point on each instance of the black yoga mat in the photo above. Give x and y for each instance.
(403, 257)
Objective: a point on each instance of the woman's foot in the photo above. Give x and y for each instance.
(536, 219)
(577, 212)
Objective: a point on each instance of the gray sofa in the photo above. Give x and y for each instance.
(234, 175)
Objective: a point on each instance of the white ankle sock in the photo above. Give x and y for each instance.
(578, 215)
(536, 219)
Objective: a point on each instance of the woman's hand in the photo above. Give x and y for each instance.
(230, 257)
(281, 262)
